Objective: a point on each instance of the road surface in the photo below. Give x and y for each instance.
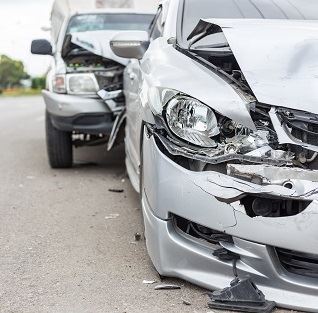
(67, 244)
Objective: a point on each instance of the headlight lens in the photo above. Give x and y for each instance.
(59, 85)
(82, 84)
(191, 120)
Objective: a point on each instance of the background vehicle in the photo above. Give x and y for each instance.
(221, 142)
(83, 64)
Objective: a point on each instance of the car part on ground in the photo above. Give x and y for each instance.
(241, 296)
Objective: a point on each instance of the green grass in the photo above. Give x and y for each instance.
(21, 92)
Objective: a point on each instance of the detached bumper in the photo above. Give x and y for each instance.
(170, 190)
(81, 114)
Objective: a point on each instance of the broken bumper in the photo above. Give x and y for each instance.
(171, 190)
(80, 114)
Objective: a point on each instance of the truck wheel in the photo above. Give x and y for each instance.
(59, 145)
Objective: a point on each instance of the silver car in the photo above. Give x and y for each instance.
(222, 142)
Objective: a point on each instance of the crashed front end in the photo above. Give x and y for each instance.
(85, 66)
(226, 187)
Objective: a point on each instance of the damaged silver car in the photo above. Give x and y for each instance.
(222, 143)
(83, 63)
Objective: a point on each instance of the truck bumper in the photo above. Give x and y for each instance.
(79, 114)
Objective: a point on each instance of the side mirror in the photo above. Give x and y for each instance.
(130, 44)
(42, 47)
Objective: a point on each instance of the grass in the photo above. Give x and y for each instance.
(20, 92)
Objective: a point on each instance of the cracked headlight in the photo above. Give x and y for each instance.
(192, 121)
(82, 84)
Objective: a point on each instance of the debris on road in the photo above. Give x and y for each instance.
(137, 237)
(116, 190)
(242, 296)
(167, 287)
(185, 302)
(149, 282)
(111, 216)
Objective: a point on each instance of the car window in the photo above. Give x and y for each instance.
(194, 10)
(95, 22)
(156, 29)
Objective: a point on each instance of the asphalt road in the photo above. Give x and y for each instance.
(67, 244)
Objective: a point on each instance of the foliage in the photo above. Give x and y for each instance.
(38, 83)
(11, 72)
(20, 92)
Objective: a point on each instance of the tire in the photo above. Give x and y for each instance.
(59, 146)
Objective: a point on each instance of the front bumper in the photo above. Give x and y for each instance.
(80, 114)
(172, 190)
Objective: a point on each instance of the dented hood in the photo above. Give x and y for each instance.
(97, 42)
(279, 58)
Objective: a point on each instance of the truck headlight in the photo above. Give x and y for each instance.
(59, 84)
(192, 121)
(82, 84)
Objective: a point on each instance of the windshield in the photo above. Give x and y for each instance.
(95, 22)
(194, 10)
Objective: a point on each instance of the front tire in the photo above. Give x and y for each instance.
(59, 146)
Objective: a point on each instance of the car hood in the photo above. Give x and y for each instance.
(279, 58)
(97, 42)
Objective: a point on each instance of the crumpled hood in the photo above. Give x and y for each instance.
(279, 58)
(97, 42)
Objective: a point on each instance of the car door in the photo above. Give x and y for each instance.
(133, 83)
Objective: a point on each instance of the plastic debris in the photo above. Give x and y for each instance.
(149, 282)
(137, 237)
(241, 296)
(185, 302)
(167, 287)
(116, 190)
(111, 216)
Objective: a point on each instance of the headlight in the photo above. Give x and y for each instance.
(192, 121)
(59, 84)
(82, 84)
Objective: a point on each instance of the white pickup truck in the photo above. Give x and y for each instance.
(83, 64)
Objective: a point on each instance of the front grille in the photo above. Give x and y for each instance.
(301, 125)
(304, 264)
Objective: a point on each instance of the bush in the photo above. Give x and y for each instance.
(38, 83)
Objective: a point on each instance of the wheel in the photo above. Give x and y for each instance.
(59, 145)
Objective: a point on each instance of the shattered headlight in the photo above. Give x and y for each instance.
(82, 84)
(192, 121)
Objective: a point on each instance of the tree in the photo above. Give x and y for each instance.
(38, 83)
(11, 72)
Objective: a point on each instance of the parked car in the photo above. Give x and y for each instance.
(222, 142)
(83, 64)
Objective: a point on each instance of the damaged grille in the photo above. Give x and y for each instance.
(200, 232)
(111, 77)
(301, 125)
(304, 264)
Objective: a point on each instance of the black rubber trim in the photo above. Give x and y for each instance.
(93, 123)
